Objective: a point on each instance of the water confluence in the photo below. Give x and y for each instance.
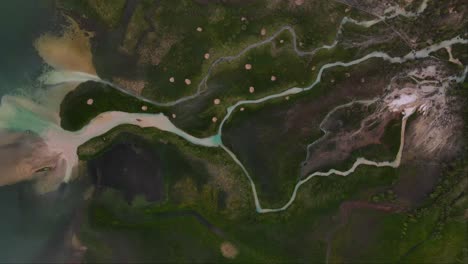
(20, 114)
(108, 120)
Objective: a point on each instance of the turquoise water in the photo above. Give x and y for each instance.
(28, 221)
(16, 118)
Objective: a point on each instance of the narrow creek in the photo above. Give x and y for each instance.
(24, 114)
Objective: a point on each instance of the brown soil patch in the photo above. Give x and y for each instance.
(229, 250)
(345, 143)
(299, 117)
(347, 207)
(152, 50)
(71, 51)
(255, 139)
(237, 195)
(135, 86)
(235, 2)
(434, 136)
(76, 243)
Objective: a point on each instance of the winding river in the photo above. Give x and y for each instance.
(22, 114)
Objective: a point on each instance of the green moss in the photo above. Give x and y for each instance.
(263, 238)
(230, 82)
(135, 29)
(224, 33)
(451, 247)
(109, 11)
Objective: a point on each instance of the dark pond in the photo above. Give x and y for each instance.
(132, 167)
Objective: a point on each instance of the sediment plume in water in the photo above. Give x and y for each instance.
(70, 52)
(24, 156)
(24, 153)
(32, 144)
(51, 150)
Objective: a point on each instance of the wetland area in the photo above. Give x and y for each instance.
(235, 131)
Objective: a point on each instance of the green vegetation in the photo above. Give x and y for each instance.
(186, 169)
(109, 11)
(170, 27)
(387, 196)
(270, 237)
(359, 218)
(76, 113)
(135, 29)
(458, 51)
(112, 223)
(434, 25)
(159, 38)
(230, 84)
(145, 235)
(433, 232)
(270, 139)
(223, 26)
